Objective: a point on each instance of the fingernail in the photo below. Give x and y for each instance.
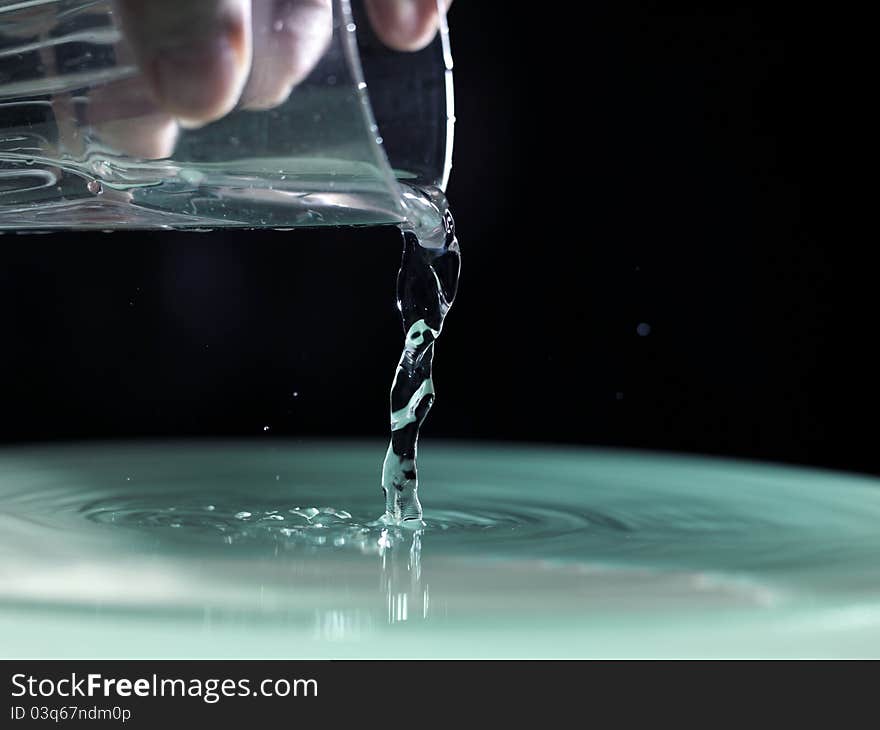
(408, 17)
(405, 25)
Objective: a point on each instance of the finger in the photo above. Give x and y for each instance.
(195, 54)
(123, 115)
(290, 36)
(404, 25)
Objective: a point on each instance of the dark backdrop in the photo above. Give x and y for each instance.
(639, 190)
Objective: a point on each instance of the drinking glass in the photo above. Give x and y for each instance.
(366, 127)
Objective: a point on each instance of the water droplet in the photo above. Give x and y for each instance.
(351, 27)
(95, 187)
(242, 515)
(278, 26)
(210, 508)
(265, 428)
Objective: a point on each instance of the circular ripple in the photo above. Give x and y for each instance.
(637, 510)
(329, 526)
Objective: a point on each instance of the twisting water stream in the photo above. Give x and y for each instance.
(426, 287)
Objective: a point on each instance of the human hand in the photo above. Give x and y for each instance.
(201, 58)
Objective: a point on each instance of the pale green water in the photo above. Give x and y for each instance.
(136, 551)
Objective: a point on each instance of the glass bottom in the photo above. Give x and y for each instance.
(47, 194)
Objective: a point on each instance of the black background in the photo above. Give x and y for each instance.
(615, 164)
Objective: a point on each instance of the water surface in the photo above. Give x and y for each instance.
(274, 550)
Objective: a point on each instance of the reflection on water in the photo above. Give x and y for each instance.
(276, 551)
(402, 577)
